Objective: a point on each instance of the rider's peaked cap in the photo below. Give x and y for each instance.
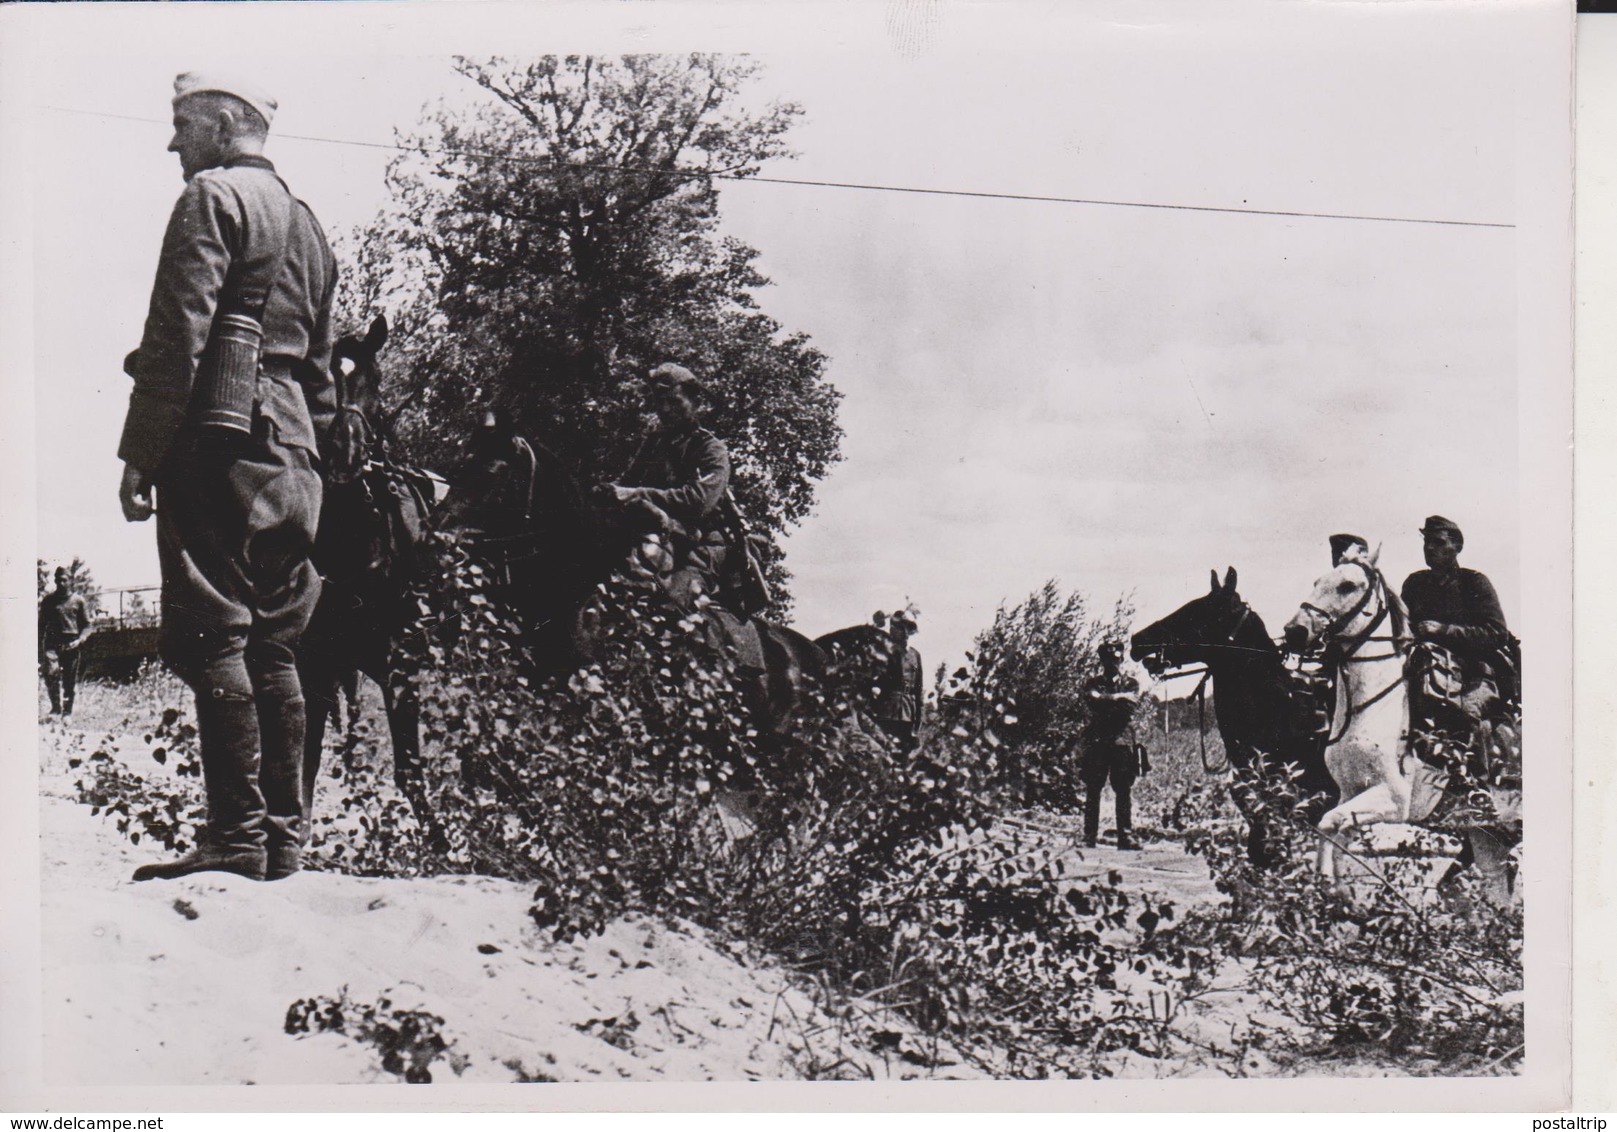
(672, 373)
(1435, 523)
(222, 82)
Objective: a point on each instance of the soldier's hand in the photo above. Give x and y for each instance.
(1428, 630)
(135, 495)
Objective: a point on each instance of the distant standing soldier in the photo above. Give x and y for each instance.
(898, 711)
(1110, 750)
(232, 387)
(678, 480)
(64, 626)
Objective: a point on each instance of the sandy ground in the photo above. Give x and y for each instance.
(189, 981)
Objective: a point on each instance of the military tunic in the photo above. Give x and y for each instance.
(685, 475)
(235, 526)
(64, 624)
(1463, 602)
(899, 709)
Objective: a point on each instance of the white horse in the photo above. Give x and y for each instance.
(1353, 609)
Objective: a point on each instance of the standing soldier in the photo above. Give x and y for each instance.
(898, 712)
(1109, 746)
(64, 626)
(678, 480)
(232, 387)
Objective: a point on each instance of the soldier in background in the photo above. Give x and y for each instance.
(1110, 747)
(232, 388)
(898, 711)
(64, 626)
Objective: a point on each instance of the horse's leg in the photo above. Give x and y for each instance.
(404, 726)
(1384, 802)
(318, 676)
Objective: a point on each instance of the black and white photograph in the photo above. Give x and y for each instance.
(691, 544)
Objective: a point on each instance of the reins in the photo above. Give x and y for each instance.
(1348, 650)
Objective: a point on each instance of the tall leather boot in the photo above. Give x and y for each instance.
(281, 727)
(1092, 798)
(1125, 814)
(227, 728)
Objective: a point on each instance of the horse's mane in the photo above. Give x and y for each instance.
(1401, 636)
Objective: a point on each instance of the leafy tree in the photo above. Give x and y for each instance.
(546, 246)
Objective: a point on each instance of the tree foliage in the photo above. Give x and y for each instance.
(548, 244)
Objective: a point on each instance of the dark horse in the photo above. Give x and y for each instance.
(1261, 711)
(372, 525)
(549, 546)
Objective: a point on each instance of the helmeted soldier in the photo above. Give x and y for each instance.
(232, 388)
(1110, 750)
(898, 710)
(1458, 625)
(677, 483)
(64, 626)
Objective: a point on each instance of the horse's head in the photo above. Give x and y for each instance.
(1346, 605)
(1192, 631)
(359, 398)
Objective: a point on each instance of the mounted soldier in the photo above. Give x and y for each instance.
(676, 487)
(1463, 671)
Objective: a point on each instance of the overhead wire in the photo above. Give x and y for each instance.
(699, 174)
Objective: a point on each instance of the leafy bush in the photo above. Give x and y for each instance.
(1392, 967)
(410, 1041)
(168, 813)
(1028, 669)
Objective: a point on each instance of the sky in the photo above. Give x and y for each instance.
(1120, 399)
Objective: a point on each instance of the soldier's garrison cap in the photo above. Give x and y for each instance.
(223, 82)
(1435, 523)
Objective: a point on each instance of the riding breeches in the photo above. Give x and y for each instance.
(60, 667)
(233, 537)
(699, 573)
(1119, 763)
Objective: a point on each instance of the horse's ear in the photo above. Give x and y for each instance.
(1375, 554)
(1229, 580)
(377, 337)
(1213, 575)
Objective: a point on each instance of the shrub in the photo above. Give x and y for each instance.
(1029, 669)
(1388, 969)
(409, 1041)
(168, 813)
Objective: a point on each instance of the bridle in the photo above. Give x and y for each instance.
(1200, 694)
(1347, 649)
